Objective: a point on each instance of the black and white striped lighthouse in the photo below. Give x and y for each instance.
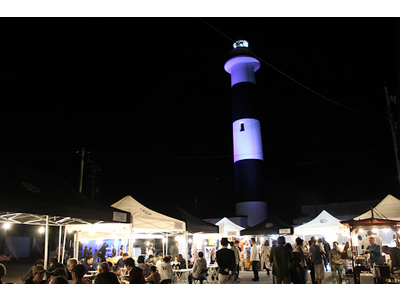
(248, 154)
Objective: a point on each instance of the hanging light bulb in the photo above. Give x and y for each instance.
(41, 230)
(6, 225)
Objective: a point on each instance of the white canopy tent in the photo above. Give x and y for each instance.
(388, 208)
(228, 228)
(323, 225)
(146, 221)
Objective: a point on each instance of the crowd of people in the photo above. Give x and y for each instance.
(300, 263)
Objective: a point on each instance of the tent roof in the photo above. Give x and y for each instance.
(27, 196)
(321, 224)
(145, 218)
(271, 225)
(194, 224)
(388, 208)
(229, 225)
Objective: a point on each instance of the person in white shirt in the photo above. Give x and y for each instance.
(165, 270)
(254, 258)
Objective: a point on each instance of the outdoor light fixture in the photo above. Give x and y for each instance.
(241, 44)
(41, 230)
(6, 225)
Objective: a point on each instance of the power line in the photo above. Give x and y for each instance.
(38, 156)
(291, 78)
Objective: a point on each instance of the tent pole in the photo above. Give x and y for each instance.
(185, 248)
(166, 246)
(76, 245)
(59, 243)
(46, 243)
(130, 246)
(63, 248)
(163, 246)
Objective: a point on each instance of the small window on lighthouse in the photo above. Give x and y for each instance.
(241, 127)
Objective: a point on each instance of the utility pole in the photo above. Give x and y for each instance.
(81, 173)
(391, 101)
(94, 167)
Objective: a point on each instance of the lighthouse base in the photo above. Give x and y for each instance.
(256, 211)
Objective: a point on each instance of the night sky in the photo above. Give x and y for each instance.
(151, 102)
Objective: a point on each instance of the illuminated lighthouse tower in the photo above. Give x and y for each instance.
(247, 143)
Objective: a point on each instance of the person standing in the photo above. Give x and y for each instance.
(280, 259)
(374, 251)
(174, 250)
(240, 256)
(265, 252)
(365, 241)
(255, 259)
(316, 259)
(336, 263)
(327, 249)
(226, 263)
(237, 259)
(302, 260)
(102, 252)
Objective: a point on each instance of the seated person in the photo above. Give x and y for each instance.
(37, 276)
(54, 264)
(56, 273)
(39, 262)
(154, 276)
(145, 267)
(159, 258)
(120, 263)
(72, 262)
(3, 271)
(105, 276)
(135, 273)
(199, 269)
(88, 264)
(151, 260)
(182, 262)
(58, 280)
(77, 274)
(394, 257)
(165, 270)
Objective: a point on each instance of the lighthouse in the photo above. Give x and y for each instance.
(248, 154)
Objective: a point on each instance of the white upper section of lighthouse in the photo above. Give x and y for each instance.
(242, 69)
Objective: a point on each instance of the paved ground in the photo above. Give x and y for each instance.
(15, 271)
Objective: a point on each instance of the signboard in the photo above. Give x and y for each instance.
(119, 216)
(284, 231)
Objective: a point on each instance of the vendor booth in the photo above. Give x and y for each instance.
(270, 229)
(324, 225)
(30, 197)
(149, 224)
(385, 216)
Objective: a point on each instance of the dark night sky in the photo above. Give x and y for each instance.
(149, 98)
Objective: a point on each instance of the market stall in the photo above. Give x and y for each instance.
(324, 225)
(147, 223)
(271, 227)
(30, 197)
